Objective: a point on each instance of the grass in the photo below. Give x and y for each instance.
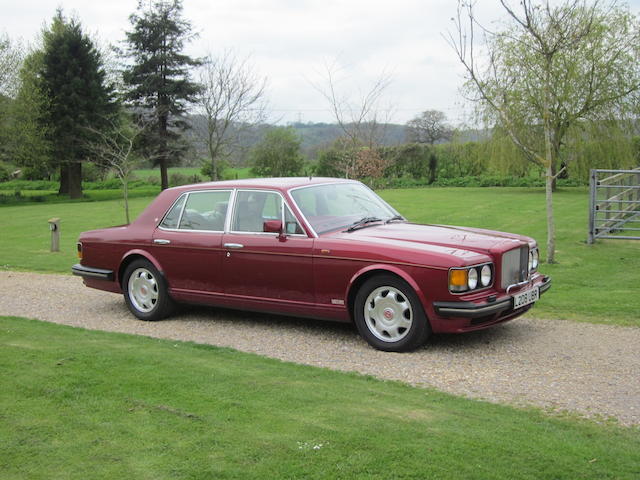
(595, 283)
(85, 404)
(229, 173)
(25, 238)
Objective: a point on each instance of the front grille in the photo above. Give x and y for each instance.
(515, 266)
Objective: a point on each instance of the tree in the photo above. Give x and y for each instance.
(429, 127)
(113, 148)
(10, 61)
(547, 72)
(158, 80)
(278, 155)
(360, 117)
(229, 102)
(72, 80)
(28, 131)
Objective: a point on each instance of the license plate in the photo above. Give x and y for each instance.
(525, 298)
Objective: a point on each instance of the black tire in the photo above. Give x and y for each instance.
(389, 315)
(145, 291)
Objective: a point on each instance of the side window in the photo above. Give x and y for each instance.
(291, 225)
(205, 211)
(253, 208)
(173, 216)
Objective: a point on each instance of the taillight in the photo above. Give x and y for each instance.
(79, 246)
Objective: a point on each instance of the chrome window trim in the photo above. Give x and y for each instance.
(186, 195)
(308, 223)
(230, 209)
(277, 192)
(184, 205)
(189, 230)
(171, 208)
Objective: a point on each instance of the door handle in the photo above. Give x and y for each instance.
(161, 241)
(233, 245)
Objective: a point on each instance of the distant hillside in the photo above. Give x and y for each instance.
(314, 136)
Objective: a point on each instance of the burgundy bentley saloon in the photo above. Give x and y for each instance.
(321, 248)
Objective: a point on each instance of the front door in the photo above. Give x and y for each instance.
(266, 267)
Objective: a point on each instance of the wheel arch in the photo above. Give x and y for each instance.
(132, 256)
(360, 277)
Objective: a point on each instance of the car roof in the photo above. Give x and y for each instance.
(281, 183)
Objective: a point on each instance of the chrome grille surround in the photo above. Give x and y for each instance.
(515, 267)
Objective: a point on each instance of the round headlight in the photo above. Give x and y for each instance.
(530, 265)
(536, 259)
(485, 276)
(472, 281)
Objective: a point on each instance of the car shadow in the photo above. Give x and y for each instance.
(347, 332)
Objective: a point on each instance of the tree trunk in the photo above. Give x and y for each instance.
(163, 150)
(125, 193)
(551, 228)
(214, 169)
(554, 182)
(75, 180)
(550, 160)
(164, 177)
(64, 180)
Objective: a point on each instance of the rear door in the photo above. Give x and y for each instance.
(188, 241)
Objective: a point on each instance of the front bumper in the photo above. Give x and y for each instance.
(89, 272)
(479, 310)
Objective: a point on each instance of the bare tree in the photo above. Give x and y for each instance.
(113, 149)
(360, 117)
(549, 70)
(231, 100)
(429, 127)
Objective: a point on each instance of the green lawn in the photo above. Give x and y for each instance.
(79, 404)
(229, 173)
(25, 237)
(597, 283)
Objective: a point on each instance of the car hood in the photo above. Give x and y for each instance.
(456, 238)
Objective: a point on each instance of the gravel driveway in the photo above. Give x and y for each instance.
(593, 370)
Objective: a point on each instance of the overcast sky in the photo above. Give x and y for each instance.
(291, 41)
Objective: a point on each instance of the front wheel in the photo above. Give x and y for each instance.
(389, 315)
(145, 291)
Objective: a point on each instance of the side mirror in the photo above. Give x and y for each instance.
(273, 226)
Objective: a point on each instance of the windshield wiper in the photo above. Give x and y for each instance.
(395, 217)
(363, 222)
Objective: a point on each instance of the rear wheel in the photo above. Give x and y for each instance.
(145, 291)
(389, 315)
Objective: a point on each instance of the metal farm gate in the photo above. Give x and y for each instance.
(614, 204)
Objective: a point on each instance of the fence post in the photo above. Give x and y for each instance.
(54, 226)
(592, 206)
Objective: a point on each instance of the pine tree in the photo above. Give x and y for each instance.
(159, 81)
(72, 78)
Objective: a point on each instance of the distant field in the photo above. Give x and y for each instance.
(78, 404)
(229, 173)
(597, 283)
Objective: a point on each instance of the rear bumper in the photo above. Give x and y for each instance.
(89, 272)
(485, 309)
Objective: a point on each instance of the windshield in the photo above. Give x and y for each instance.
(339, 205)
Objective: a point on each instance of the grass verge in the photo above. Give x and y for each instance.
(85, 404)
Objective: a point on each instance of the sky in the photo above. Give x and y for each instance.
(293, 42)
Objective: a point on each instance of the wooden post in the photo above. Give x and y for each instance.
(54, 226)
